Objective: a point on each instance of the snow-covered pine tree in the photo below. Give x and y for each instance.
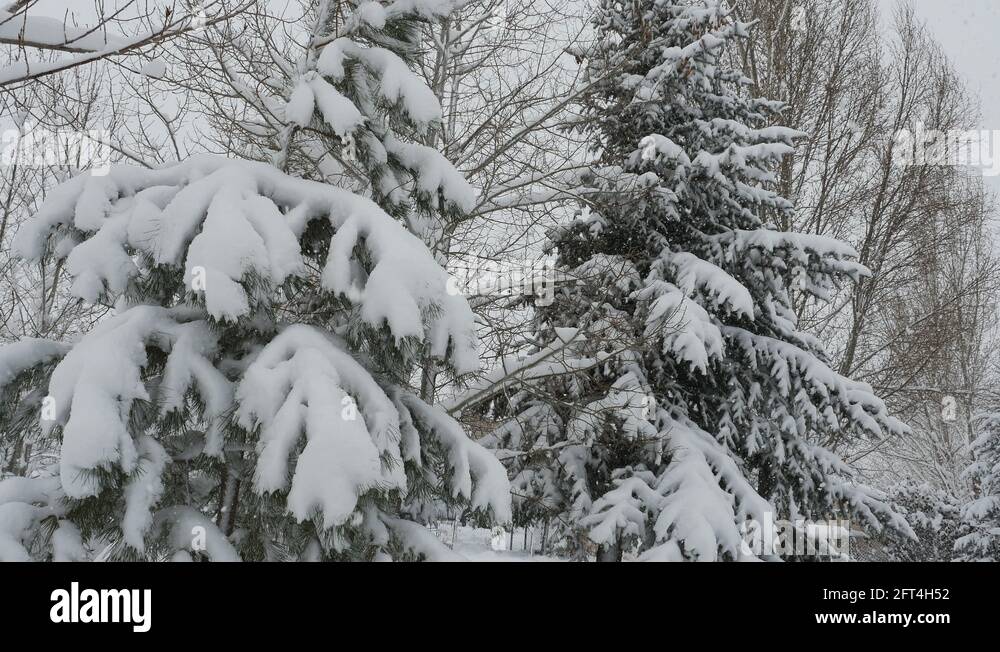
(935, 516)
(979, 538)
(702, 404)
(249, 396)
(356, 113)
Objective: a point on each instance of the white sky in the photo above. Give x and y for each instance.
(969, 32)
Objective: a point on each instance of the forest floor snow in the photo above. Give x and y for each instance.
(483, 544)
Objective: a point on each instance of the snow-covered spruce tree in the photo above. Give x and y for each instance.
(979, 538)
(249, 397)
(358, 114)
(702, 404)
(935, 516)
(338, 101)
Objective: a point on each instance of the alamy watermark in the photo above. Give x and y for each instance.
(949, 409)
(978, 148)
(798, 19)
(801, 537)
(494, 278)
(76, 605)
(40, 148)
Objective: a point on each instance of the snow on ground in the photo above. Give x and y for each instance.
(483, 544)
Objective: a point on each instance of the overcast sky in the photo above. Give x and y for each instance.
(968, 32)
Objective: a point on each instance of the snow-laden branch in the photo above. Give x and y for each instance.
(544, 363)
(230, 222)
(44, 33)
(169, 28)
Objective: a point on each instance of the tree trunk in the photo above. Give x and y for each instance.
(428, 378)
(228, 503)
(610, 551)
(15, 456)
